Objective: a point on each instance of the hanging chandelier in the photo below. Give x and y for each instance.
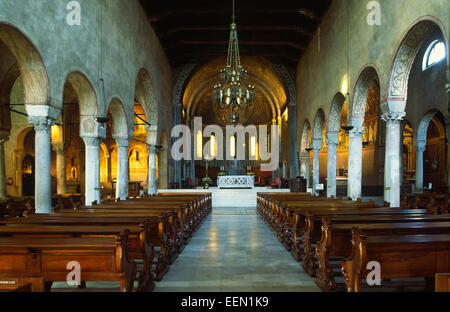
(233, 98)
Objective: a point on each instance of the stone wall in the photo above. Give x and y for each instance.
(113, 43)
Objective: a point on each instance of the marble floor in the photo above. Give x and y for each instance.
(229, 253)
(236, 253)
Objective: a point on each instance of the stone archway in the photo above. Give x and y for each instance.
(304, 154)
(89, 131)
(393, 110)
(41, 110)
(317, 145)
(334, 123)
(420, 144)
(367, 77)
(120, 133)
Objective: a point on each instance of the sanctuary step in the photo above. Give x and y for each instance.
(239, 200)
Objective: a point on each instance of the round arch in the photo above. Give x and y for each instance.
(30, 63)
(404, 59)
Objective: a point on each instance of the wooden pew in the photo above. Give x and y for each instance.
(18, 207)
(156, 234)
(336, 241)
(442, 282)
(22, 284)
(140, 244)
(101, 259)
(400, 256)
(312, 231)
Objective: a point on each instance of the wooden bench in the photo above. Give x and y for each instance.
(442, 282)
(400, 256)
(139, 238)
(156, 235)
(336, 241)
(22, 284)
(101, 259)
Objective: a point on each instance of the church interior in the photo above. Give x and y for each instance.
(224, 146)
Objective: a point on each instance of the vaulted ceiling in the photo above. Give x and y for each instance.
(270, 91)
(199, 29)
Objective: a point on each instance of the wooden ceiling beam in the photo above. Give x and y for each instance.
(241, 43)
(254, 28)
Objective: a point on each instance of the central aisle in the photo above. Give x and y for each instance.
(235, 253)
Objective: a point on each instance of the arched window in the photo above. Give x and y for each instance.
(434, 54)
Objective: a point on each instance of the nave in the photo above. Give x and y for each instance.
(236, 253)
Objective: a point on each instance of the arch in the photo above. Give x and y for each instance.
(306, 137)
(119, 118)
(32, 69)
(21, 137)
(6, 86)
(319, 123)
(87, 98)
(424, 123)
(334, 119)
(405, 56)
(365, 79)
(145, 95)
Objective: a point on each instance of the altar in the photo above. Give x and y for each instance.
(236, 181)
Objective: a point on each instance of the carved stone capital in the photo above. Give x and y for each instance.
(122, 141)
(393, 116)
(317, 144)
(152, 149)
(41, 123)
(4, 136)
(420, 146)
(358, 130)
(59, 148)
(92, 141)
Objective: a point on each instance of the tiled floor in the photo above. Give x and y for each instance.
(235, 253)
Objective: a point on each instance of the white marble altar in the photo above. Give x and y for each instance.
(240, 181)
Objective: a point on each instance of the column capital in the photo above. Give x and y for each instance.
(420, 145)
(152, 149)
(122, 141)
(91, 141)
(393, 116)
(41, 123)
(358, 130)
(317, 144)
(4, 136)
(332, 139)
(59, 148)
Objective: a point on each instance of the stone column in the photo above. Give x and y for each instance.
(60, 168)
(332, 143)
(92, 173)
(447, 88)
(82, 174)
(152, 190)
(420, 147)
(4, 137)
(43, 182)
(392, 177)
(122, 168)
(304, 168)
(355, 162)
(317, 146)
(293, 160)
